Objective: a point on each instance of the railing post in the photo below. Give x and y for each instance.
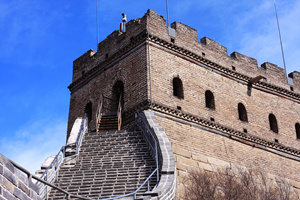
(148, 185)
(156, 159)
(56, 169)
(47, 186)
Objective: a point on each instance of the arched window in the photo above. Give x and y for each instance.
(178, 88)
(88, 111)
(242, 113)
(209, 100)
(273, 123)
(297, 127)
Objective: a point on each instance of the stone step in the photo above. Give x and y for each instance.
(110, 163)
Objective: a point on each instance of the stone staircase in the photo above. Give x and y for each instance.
(110, 163)
(108, 122)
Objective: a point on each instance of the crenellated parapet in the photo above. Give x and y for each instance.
(184, 38)
(295, 77)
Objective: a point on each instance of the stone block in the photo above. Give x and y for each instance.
(10, 176)
(205, 166)
(182, 173)
(1, 169)
(295, 184)
(24, 188)
(180, 166)
(199, 157)
(8, 185)
(21, 195)
(218, 162)
(8, 196)
(182, 152)
(187, 161)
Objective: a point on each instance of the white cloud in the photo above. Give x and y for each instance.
(31, 145)
(259, 35)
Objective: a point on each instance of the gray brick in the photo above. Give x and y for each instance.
(21, 195)
(24, 188)
(33, 186)
(1, 169)
(10, 176)
(2, 158)
(21, 176)
(8, 195)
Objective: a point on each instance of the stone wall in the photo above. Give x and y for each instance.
(130, 69)
(196, 148)
(14, 184)
(201, 66)
(227, 92)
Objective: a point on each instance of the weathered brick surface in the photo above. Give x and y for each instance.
(221, 151)
(227, 93)
(131, 70)
(14, 184)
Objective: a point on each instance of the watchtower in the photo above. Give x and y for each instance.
(216, 109)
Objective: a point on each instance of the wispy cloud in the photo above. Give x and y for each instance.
(32, 144)
(259, 35)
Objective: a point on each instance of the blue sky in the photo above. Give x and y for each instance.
(39, 40)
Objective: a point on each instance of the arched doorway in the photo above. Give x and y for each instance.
(88, 111)
(117, 93)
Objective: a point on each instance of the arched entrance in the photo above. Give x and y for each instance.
(88, 111)
(117, 93)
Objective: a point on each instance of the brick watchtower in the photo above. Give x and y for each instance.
(216, 109)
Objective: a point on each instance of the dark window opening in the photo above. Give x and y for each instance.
(82, 73)
(88, 111)
(178, 107)
(212, 119)
(203, 54)
(292, 88)
(233, 68)
(172, 40)
(117, 93)
(210, 100)
(273, 123)
(297, 127)
(106, 56)
(276, 140)
(242, 113)
(178, 88)
(245, 130)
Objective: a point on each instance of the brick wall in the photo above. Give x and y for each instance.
(196, 148)
(130, 69)
(166, 64)
(227, 93)
(14, 184)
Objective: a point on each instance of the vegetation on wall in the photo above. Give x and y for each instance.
(235, 184)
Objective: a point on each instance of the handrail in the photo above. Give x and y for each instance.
(99, 112)
(154, 149)
(146, 133)
(119, 112)
(56, 162)
(29, 175)
(153, 138)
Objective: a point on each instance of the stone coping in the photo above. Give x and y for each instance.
(216, 128)
(166, 188)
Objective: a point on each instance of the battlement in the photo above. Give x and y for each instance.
(186, 38)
